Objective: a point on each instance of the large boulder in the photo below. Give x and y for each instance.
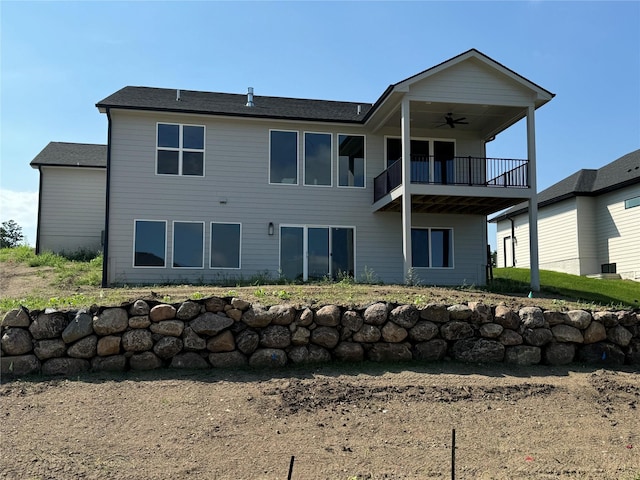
(460, 312)
(268, 357)
(167, 347)
(137, 341)
(349, 352)
(281, 314)
(376, 314)
(110, 321)
(65, 366)
(601, 353)
(171, 328)
(275, 336)
(506, 317)
(19, 365)
(456, 330)
(112, 363)
(162, 312)
(390, 352)
(50, 348)
(16, 318)
(247, 341)
(351, 321)
(300, 336)
(16, 341)
(210, 324)
(145, 361)
(619, 335)
(84, 348)
(578, 319)
(328, 316)
(327, 337)
(189, 361)
(109, 345)
(423, 331)
(537, 337)
(559, 353)
(567, 333)
(431, 350)
(393, 333)
(491, 330)
(405, 316)
(435, 312)
(595, 332)
(227, 359)
(257, 317)
(478, 350)
(139, 308)
(367, 334)
(223, 342)
(192, 342)
(81, 326)
(531, 317)
(523, 355)
(188, 310)
(49, 325)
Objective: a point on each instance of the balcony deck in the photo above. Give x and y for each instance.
(486, 185)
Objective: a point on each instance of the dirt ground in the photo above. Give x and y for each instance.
(360, 422)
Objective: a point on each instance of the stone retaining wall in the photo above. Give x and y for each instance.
(217, 332)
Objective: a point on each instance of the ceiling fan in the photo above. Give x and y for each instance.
(452, 122)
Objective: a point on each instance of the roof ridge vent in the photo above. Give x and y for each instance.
(250, 98)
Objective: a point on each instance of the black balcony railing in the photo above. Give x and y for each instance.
(467, 171)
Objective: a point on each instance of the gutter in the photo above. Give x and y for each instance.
(513, 243)
(105, 247)
(39, 210)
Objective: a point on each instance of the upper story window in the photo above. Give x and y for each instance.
(283, 157)
(180, 149)
(351, 166)
(317, 159)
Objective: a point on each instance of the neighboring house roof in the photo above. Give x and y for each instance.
(586, 182)
(63, 154)
(228, 104)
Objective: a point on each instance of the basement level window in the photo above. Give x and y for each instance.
(632, 202)
(608, 268)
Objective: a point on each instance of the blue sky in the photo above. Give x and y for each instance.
(59, 58)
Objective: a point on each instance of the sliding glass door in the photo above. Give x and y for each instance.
(313, 253)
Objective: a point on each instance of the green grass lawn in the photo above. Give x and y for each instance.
(582, 289)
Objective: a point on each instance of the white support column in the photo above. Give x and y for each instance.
(406, 184)
(533, 201)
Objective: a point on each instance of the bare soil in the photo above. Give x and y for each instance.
(367, 421)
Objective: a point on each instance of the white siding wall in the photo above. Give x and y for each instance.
(558, 237)
(587, 235)
(619, 232)
(236, 170)
(503, 231)
(72, 208)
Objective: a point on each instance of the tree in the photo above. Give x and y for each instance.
(10, 234)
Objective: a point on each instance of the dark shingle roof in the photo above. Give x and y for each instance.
(229, 104)
(65, 154)
(613, 176)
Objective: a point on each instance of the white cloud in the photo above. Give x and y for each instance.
(21, 207)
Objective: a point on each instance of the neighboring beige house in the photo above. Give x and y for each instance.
(207, 187)
(71, 201)
(588, 223)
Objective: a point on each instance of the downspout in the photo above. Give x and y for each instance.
(39, 209)
(513, 243)
(105, 247)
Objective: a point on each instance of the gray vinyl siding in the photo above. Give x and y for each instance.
(236, 188)
(72, 206)
(473, 82)
(619, 232)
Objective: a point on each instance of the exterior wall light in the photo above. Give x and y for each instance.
(270, 228)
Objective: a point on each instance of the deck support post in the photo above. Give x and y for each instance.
(533, 201)
(406, 184)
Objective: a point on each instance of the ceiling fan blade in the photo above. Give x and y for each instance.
(460, 119)
(461, 123)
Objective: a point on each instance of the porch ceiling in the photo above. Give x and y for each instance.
(452, 204)
(488, 120)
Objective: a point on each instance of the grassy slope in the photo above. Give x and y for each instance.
(76, 284)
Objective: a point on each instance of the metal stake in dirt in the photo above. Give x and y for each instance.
(453, 454)
(291, 467)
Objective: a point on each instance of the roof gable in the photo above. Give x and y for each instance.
(63, 154)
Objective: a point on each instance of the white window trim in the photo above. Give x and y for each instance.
(173, 244)
(239, 267)
(304, 159)
(453, 244)
(181, 149)
(297, 182)
(364, 137)
(305, 245)
(133, 258)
